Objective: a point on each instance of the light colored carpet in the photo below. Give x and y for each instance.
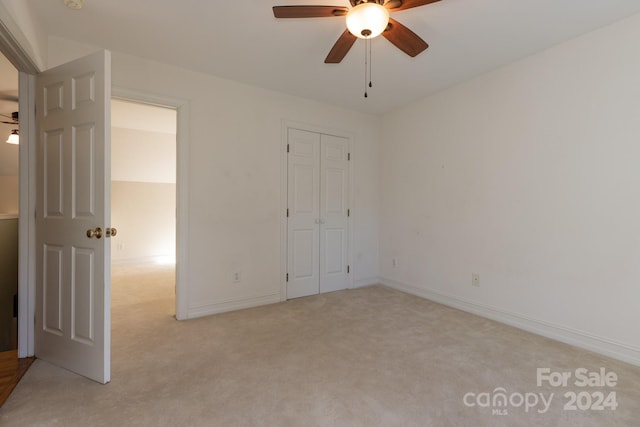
(364, 357)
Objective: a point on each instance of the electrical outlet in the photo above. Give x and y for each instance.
(394, 262)
(120, 246)
(237, 277)
(475, 279)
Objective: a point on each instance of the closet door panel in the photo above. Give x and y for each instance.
(303, 192)
(334, 196)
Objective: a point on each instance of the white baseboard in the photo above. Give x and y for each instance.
(361, 283)
(604, 346)
(208, 309)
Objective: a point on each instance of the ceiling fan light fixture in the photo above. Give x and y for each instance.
(74, 4)
(14, 137)
(367, 20)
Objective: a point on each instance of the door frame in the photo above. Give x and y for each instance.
(27, 246)
(182, 185)
(27, 215)
(284, 194)
(15, 47)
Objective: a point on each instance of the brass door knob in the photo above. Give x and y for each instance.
(110, 232)
(97, 233)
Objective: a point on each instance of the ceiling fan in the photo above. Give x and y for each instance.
(365, 19)
(13, 118)
(9, 95)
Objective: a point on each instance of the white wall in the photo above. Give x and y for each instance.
(143, 193)
(8, 171)
(235, 142)
(143, 156)
(144, 214)
(530, 177)
(9, 197)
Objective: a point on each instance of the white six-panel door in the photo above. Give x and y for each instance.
(334, 242)
(72, 328)
(317, 222)
(303, 231)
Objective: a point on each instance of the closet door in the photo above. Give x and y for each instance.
(317, 223)
(334, 184)
(303, 231)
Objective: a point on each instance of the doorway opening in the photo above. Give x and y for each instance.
(11, 368)
(143, 206)
(9, 204)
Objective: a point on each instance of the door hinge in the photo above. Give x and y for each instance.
(348, 212)
(287, 212)
(348, 156)
(348, 269)
(287, 277)
(287, 148)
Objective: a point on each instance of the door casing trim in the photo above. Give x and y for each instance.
(182, 186)
(14, 46)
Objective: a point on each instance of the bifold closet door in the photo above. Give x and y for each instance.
(317, 213)
(334, 181)
(303, 192)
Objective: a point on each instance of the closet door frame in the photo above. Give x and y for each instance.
(286, 125)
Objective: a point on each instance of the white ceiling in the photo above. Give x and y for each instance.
(242, 41)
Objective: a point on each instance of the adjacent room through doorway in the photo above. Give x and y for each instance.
(9, 199)
(11, 369)
(143, 203)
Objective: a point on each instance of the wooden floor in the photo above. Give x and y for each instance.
(11, 370)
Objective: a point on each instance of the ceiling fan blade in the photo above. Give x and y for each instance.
(308, 11)
(8, 96)
(396, 5)
(404, 39)
(340, 48)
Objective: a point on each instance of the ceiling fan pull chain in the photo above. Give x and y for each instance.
(365, 68)
(370, 63)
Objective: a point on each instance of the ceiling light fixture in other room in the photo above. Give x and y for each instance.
(14, 137)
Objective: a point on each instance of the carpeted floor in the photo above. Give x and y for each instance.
(365, 357)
